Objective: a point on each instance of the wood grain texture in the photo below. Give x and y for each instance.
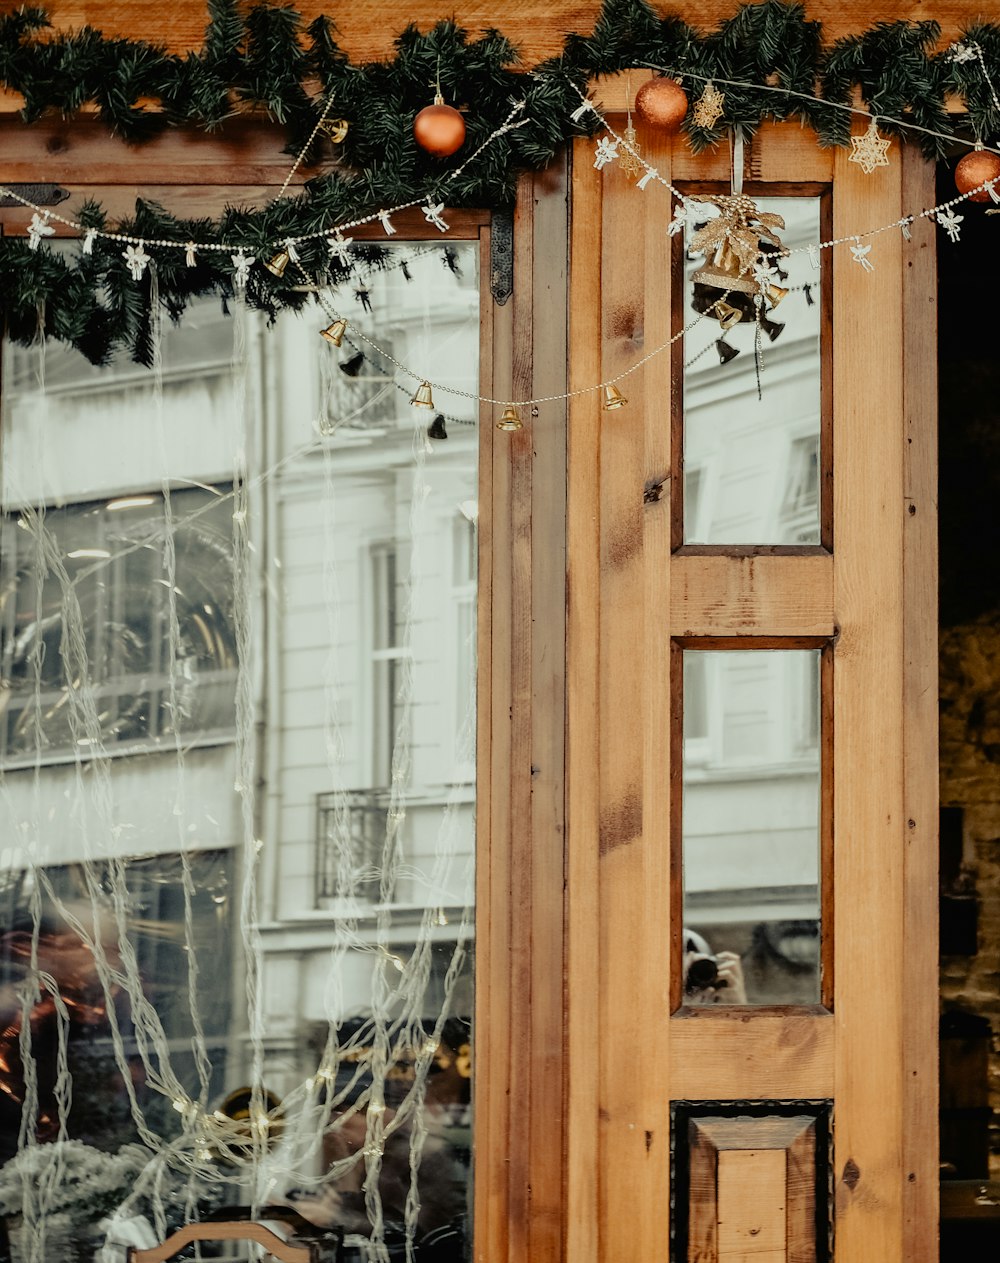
(741, 1054)
(634, 756)
(869, 824)
(920, 702)
(519, 1133)
(751, 595)
(546, 768)
(751, 1190)
(752, 1206)
(367, 28)
(493, 998)
(583, 1179)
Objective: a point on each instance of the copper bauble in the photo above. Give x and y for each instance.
(439, 129)
(662, 103)
(974, 168)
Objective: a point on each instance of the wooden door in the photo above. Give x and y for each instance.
(788, 1131)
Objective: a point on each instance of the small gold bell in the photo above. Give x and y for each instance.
(727, 316)
(334, 333)
(423, 398)
(510, 419)
(613, 398)
(724, 272)
(336, 129)
(775, 294)
(277, 265)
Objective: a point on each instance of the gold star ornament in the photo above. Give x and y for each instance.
(870, 150)
(708, 108)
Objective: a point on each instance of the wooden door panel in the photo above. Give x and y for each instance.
(869, 600)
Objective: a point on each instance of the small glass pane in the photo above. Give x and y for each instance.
(751, 826)
(752, 465)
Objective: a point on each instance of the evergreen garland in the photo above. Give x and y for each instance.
(265, 58)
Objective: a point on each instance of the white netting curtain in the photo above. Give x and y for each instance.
(237, 658)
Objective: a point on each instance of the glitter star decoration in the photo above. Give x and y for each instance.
(628, 158)
(870, 150)
(709, 107)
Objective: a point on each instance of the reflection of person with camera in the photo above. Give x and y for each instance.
(711, 977)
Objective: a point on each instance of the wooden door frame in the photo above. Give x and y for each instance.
(617, 756)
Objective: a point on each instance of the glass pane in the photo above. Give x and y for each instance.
(237, 774)
(751, 466)
(751, 826)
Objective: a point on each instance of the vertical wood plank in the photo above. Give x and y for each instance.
(520, 1035)
(920, 710)
(634, 752)
(546, 766)
(518, 613)
(493, 999)
(868, 690)
(583, 712)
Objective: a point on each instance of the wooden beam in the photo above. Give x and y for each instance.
(538, 27)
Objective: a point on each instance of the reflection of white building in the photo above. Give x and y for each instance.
(361, 679)
(751, 792)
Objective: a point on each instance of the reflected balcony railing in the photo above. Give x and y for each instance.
(351, 828)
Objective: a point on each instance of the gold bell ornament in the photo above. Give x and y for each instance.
(334, 333)
(774, 294)
(276, 266)
(613, 398)
(510, 419)
(724, 272)
(727, 315)
(423, 397)
(336, 129)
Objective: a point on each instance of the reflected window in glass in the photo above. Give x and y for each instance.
(753, 464)
(751, 827)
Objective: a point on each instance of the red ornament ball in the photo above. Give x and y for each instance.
(662, 103)
(439, 129)
(973, 170)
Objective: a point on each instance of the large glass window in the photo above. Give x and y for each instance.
(237, 669)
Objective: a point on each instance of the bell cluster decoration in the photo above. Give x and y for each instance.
(742, 243)
(734, 236)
